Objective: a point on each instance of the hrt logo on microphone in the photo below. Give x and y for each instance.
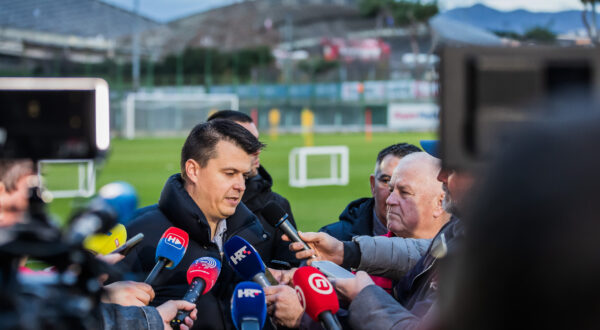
(320, 284)
(248, 293)
(239, 255)
(175, 241)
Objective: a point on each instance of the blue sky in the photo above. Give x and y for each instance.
(165, 10)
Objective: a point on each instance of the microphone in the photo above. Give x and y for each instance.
(248, 306)
(317, 296)
(97, 217)
(278, 218)
(244, 259)
(169, 252)
(106, 243)
(201, 276)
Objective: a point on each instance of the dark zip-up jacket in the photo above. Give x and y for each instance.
(258, 193)
(176, 208)
(355, 220)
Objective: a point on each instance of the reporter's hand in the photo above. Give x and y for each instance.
(350, 287)
(128, 293)
(283, 305)
(322, 245)
(283, 276)
(168, 311)
(112, 258)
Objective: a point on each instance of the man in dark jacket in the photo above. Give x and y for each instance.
(258, 191)
(367, 216)
(205, 201)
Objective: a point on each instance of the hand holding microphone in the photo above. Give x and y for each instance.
(169, 252)
(201, 276)
(248, 306)
(317, 296)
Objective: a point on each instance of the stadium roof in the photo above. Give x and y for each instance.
(455, 32)
(83, 18)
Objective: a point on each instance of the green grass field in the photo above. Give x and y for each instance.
(147, 163)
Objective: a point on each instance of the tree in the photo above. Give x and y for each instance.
(540, 34)
(589, 9)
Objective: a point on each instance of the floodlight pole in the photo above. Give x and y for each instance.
(135, 68)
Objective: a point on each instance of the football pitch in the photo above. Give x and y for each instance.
(147, 163)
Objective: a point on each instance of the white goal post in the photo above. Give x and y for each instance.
(164, 114)
(83, 170)
(338, 166)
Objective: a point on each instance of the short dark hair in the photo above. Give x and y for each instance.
(398, 150)
(230, 115)
(200, 143)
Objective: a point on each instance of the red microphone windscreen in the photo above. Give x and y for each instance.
(315, 292)
(206, 268)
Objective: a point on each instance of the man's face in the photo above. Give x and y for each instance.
(13, 204)
(380, 188)
(218, 187)
(413, 202)
(455, 185)
(255, 157)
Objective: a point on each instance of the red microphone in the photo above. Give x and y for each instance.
(201, 276)
(317, 296)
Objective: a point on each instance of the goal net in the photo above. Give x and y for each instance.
(161, 114)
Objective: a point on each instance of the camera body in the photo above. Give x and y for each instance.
(54, 118)
(488, 92)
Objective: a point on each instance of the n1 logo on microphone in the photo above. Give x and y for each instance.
(320, 284)
(248, 293)
(175, 241)
(239, 255)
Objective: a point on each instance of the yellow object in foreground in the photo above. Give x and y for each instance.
(105, 243)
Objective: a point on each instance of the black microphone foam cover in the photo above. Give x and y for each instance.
(273, 213)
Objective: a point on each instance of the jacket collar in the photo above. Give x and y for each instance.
(184, 213)
(360, 214)
(257, 184)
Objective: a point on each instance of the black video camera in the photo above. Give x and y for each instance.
(486, 93)
(52, 118)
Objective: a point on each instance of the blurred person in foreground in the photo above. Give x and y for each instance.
(367, 216)
(204, 200)
(258, 191)
(416, 292)
(15, 184)
(414, 209)
(531, 257)
(14, 189)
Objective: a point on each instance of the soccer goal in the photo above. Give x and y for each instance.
(329, 165)
(168, 114)
(68, 178)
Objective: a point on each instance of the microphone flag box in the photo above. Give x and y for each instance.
(315, 292)
(243, 257)
(206, 268)
(248, 303)
(172, 246)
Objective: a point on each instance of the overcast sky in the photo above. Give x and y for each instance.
(165, 10)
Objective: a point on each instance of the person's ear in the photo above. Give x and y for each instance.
(2, 189)
(372, 181)
(192, 170)
(438, 209)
